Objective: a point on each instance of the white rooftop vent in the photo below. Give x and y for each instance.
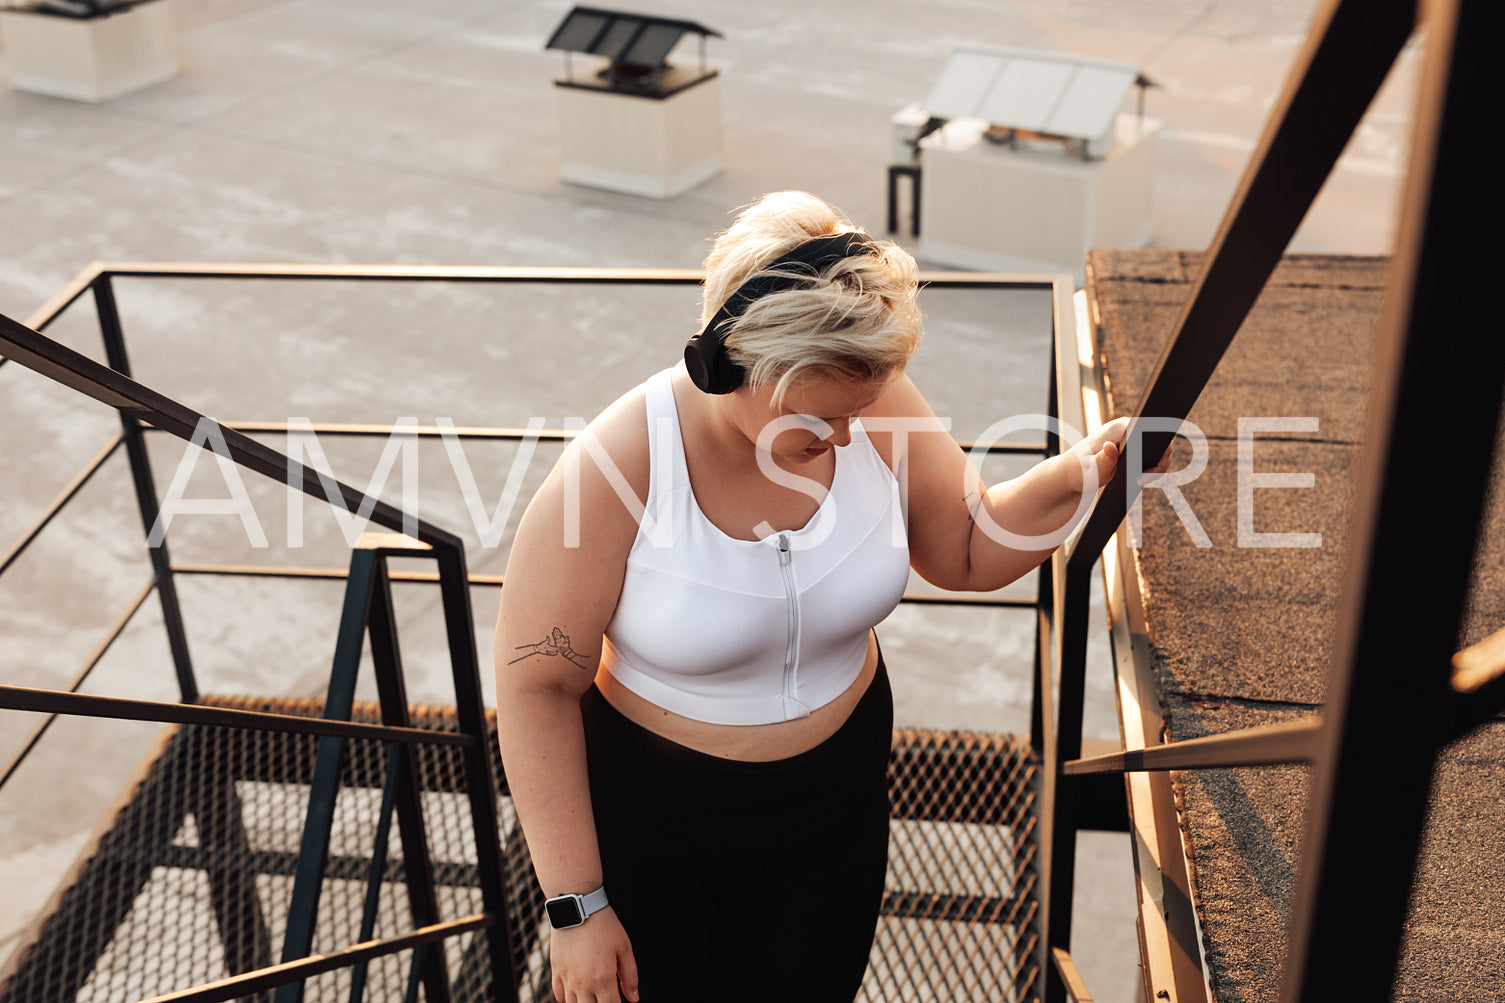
(1050, 94)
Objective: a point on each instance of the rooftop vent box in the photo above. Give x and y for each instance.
(1025, 158)
(88, 50)
(1025, 94)
(632, 122)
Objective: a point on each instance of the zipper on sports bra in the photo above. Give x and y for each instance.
(792, 706)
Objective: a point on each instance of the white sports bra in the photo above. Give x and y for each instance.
(732, 631)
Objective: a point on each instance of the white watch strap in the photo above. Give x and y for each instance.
(593, 902)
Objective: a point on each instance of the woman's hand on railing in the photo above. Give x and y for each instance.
(1103, 448)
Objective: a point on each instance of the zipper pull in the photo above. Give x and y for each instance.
(784, 555)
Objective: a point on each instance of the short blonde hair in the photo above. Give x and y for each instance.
(856, 320)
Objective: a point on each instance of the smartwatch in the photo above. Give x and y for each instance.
(573, 909)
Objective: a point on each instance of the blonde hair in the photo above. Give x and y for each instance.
(857, 320)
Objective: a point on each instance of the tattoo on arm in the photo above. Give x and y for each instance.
(557, 643)
(973, 501)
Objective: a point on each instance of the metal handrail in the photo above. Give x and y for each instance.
(85, 279)
(484, 432)
(93, 379)
(251, 983)
(124, 708)
(1270, 745)
(138, 403)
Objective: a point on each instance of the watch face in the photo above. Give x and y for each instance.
(564, 912)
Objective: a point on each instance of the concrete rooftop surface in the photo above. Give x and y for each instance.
(424, 132)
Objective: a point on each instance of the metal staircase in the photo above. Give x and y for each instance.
(198, 872)
(283, 850)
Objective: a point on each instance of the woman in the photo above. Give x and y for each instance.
(693, 711)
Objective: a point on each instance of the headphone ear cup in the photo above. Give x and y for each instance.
(699, 366)
(727, 376)
(710, 367)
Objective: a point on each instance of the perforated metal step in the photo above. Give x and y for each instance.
(190, 882)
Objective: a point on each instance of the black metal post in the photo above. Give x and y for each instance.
(377, 869)
(1044, 718)
(1072, 614)
(303, 910)
(146, 493)
(415, 974)
(1044, 591)
(480, 780)
(417, 862)
(1423, 489)
(1060, 679)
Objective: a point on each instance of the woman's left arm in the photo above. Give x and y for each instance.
(954, 518)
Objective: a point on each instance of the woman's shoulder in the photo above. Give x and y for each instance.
(595, 494)
(612, 452)
(897, 421)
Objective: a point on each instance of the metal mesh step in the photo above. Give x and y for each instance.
(190, 881)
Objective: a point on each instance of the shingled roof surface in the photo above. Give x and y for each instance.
(1242, 635)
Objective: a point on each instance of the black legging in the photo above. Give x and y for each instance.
(738, 880)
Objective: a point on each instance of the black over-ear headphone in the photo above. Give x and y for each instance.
(706, 357)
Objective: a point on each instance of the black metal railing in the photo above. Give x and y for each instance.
(368, 610)
(1395, 698)
(368, 616)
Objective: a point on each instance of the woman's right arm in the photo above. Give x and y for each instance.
(556, 604)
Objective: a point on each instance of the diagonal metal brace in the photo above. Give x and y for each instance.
(324, 786)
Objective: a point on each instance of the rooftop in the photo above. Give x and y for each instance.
(424, 133)
(1242, 635)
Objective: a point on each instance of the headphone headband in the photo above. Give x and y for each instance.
(706, 358)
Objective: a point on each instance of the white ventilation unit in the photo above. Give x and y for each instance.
(1047, 94)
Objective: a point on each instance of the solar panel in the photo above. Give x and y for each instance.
(1091, 98)
(578, 31)
(1045, 92)
(965, 80)
(653, 45)
(1024, 93)
(639, 39)
(618, 35)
